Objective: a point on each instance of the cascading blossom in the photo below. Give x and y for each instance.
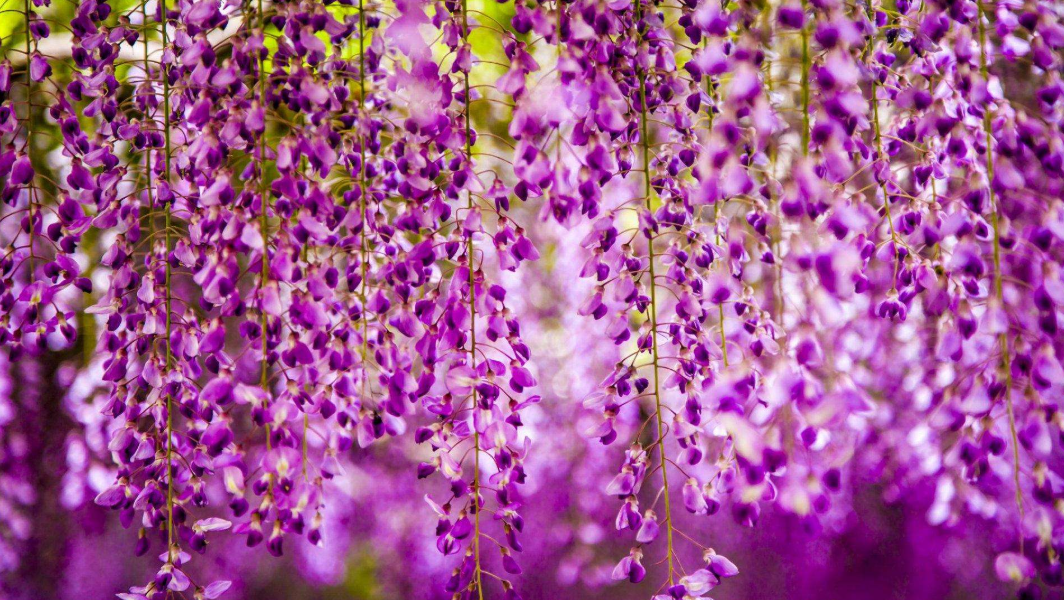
(523, 299)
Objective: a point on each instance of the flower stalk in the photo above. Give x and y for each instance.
(363, 253)
(995, 220)
(806, 66)
(31, 187)
(169, 297)
(644, 139)
(264, 226)
(478, 573)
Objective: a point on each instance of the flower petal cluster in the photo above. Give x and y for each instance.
(592, 275)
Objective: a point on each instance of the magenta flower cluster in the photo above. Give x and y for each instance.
(795, 250)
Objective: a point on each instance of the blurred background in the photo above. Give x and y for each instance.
(378, 536)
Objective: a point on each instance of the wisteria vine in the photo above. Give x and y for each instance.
(796, 249)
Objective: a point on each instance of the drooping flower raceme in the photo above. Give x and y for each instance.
(613, 271)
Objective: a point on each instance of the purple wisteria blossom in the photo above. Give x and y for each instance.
(544, 298)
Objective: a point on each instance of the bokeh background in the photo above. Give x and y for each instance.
(883, 544)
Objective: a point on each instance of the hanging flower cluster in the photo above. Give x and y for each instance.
(280, 248)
